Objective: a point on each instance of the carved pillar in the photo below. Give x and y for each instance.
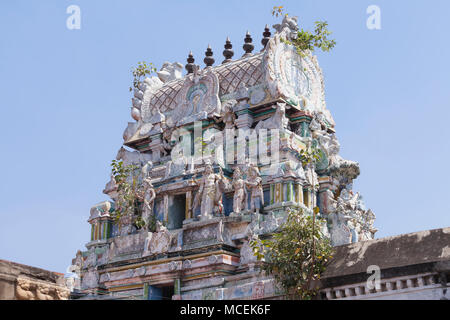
(298, 192)
(166, 208)
(188, 211)
(324, 185)
(156, 145)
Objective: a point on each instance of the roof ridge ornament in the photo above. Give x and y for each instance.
(228, 52)
(209, 60)
(288, 27)
(190, 63)
(266, 36)
(248, 45)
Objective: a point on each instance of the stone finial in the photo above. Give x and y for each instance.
(266, 36)
(209, 60)
(248, 45)
(228, 52)
(190, 63)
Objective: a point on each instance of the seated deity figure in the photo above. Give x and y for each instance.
(207, 193)
(149, 198)
(240, 193)
(254, 183)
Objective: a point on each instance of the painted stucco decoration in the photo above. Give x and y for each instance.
(206, 211)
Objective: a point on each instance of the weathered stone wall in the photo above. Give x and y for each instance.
(21, 282)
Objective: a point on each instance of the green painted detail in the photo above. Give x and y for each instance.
(323, 162)
(145, 291)
(190, 127)
(289, 191)
(301, 118)
(92, 232)
(272, 192)
(245, 111)
(177, 286)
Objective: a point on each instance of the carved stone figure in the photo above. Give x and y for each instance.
(277, 121)
(25, 290)
(149, 198)
(228, 116)
(132, 158)
(207, 192)
(254, 183)
(288, 27)
(170, 71)
(159, 241)
(340, 232)
(311, 175)
(44, 292)
(240, 192)
(222, 186)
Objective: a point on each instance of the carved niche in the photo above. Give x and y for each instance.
(296, 79)
(198, 99)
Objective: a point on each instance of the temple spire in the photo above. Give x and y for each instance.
(228, 52)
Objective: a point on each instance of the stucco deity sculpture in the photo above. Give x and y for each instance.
(208, 193)
(240, 193)
(170, 71)
(340, 231)
(277, 121)
(149, 198)
(254, 183)
(289, 26)
(311, 175)
(228, 116)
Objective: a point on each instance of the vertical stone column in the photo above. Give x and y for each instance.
(166, 208)
(298, 192)
(155, 145)
(188, 211)
(324, 186)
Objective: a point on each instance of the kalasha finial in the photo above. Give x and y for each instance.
(190, 65)
(228, 52)
(248, 45)
(209, 60)
(266, 36)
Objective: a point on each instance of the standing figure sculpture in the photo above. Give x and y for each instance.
(254, 183)
(240, 193)
(208, 193)
(149, 198)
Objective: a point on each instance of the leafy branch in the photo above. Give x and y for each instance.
(296, 255)
(307, 40)
(129, 194)
(142, 70)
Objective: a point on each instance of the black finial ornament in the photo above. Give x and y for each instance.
(266, 36)
(209, 60)
(228, 52)
(248, 45)
(190, 65)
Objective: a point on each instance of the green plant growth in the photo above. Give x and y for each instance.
(143, 69)
(295, 256)
(129, 194)
(307, 40)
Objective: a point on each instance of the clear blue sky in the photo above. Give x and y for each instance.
(64, 103)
